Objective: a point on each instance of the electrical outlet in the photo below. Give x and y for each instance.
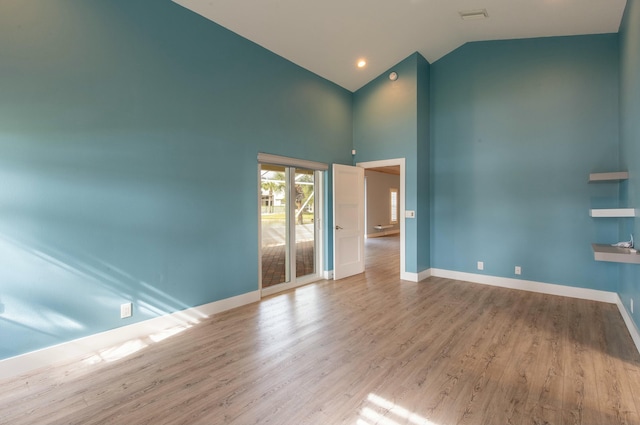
(631, 305)
(126, 310)
(518, 270)
(480, 265)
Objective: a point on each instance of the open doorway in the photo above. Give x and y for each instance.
(384, 215)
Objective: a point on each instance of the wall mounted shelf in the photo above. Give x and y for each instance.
(614, 254)
(613, 212)
(607, 252)
(608, 177)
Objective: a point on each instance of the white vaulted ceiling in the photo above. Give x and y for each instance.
(327, 37)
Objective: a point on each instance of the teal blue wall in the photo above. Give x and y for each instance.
(390, 120)
(516, 128)
(630, 144)
(129, 132)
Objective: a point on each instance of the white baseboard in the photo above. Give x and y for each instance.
(411, 277)
(424, 274)
(102, 341)
(383, 233)
(328, 274)
(415, 277)
(296, 283)
(529, 285)
(631, 326)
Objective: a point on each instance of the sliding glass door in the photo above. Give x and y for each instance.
(274, 220)
(305, 232)
(288, 226)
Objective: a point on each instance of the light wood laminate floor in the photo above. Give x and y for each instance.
(366, 350)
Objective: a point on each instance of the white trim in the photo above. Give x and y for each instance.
(411, 277)
(328, 274)
(319, 222)
(415, 277)
(267, 158)
(93, 344)
(402, 163)
(528, 285)
(293, 283)
(259, 227)
(290, 220)
(631, 326)
(424, 274)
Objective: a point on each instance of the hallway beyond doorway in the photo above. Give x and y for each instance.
(382, 255)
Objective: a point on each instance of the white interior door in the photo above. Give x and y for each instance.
(348, 220)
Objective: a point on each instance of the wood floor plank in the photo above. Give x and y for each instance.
(627, 362)
(477, 402)
(544, 402)
(581, 401)
(457, 379)
(370, 349)
(616, 401)
(513, 381)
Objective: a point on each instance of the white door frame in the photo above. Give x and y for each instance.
(294, 281)
(389, 163)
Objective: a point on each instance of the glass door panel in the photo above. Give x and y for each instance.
(305, 226)
(274, 219)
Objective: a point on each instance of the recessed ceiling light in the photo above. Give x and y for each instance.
(362, 63)
(470, 15)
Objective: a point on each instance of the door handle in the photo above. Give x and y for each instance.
(338, 227)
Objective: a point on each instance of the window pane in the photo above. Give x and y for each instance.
(275, 258)
(305, 222)
(394, 205)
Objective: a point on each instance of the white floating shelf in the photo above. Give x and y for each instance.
(613, 212)
(608, 177)
(615, 254)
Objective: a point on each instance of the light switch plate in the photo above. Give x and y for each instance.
(410, 214)
(126, 310)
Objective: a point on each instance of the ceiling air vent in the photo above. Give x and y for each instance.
(470, 15)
